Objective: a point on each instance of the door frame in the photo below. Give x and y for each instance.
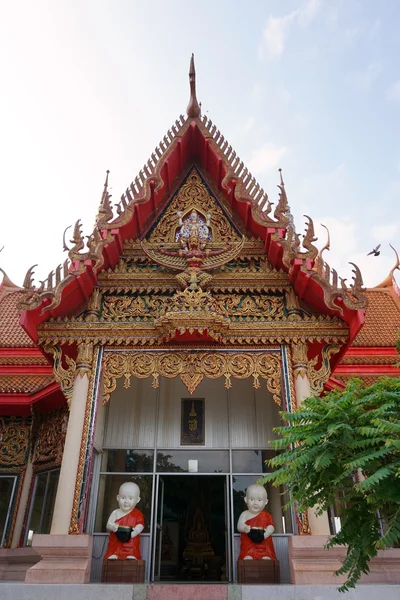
(156, 510)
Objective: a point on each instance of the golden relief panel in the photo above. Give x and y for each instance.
(15, 435)
(236, 306)
(50, 440)
(192, 367)
(194, 195)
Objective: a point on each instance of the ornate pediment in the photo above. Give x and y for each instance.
(194, 195)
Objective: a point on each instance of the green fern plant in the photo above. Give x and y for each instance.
(346, 443)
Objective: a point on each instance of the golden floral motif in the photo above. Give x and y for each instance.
(240, 306)
(246, 305)
(15, 439)
(192, 367)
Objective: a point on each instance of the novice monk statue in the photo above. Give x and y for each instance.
(256, 527)
(125, 525)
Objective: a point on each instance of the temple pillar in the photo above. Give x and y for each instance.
(69, 466)
(319, 525)
(67, 558)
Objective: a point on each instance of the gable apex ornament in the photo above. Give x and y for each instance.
(193, 109)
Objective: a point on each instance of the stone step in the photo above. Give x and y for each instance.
(191, 591)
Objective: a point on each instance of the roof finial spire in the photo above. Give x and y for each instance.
(193, 109)
(280, 174)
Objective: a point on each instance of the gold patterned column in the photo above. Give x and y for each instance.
(69, 466)
(300, 371)
(94, 305)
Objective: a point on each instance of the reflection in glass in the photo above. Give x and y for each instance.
(251, 461)
(208, 461)
(129, 461)
(107, 498)
(44, 497)
(6, 493)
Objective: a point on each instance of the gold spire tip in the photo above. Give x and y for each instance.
(193, 109)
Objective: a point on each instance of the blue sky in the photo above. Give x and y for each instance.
(312, 86)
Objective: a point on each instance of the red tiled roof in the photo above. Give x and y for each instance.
(23, 384)
(382, 321)
(11, 333)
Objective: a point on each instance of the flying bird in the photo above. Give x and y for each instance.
(375, 251)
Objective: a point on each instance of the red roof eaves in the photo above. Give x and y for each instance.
(192, 143)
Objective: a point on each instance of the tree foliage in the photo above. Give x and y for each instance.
(346, 444)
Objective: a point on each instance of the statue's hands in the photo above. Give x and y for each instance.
(266, 534)
(134, 533)
(246, 528)
(114, 527)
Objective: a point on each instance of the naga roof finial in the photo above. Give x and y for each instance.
(193, 109)
(389, 281)
(280, 174)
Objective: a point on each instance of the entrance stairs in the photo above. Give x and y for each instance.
(190, 591)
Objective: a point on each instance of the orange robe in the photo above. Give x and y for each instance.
(266, 547)
(130, 548)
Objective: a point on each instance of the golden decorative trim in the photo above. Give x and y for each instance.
(65, 377)
(94, 305)
(84, 360)
(300, 360)
(291, 379)
(293, 307)
(318, 377)
(192, 367)
(303, 524)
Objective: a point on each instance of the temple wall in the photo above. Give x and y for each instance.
(131, 414)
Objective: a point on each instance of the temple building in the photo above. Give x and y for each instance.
(161, 352)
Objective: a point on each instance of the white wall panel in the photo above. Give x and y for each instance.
(130, 422)
(131, 414)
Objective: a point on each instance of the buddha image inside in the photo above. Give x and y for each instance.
(193, 541)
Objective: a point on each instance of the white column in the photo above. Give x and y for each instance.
(69, 466)
(318, 525)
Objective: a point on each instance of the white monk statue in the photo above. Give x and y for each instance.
(125, 525)
(256, 526)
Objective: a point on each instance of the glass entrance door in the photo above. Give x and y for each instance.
(191, 538)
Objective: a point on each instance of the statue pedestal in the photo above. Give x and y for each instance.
(123, 571)
(65, 559)
(258, 571)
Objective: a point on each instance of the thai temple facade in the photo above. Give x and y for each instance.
(161, 352)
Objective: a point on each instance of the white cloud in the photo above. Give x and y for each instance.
(248, 125)
(393, 92)
(266, 157)
(274, 34)
(385, 233)
(364, 79)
